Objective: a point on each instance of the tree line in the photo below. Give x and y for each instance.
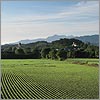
(59, 49)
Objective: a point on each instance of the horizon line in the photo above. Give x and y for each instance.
(13, 42)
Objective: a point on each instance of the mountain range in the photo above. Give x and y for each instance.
(92, 39)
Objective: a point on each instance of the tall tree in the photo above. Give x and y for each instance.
(52, 54)
(62, 54)
(36, 53)
(19, 51)
(45, 52)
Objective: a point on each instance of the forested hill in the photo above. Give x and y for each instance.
(42, 49)
(93, 39)
(41, 44)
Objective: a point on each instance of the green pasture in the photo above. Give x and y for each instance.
(50, 79)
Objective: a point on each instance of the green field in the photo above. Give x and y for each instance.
(42, 79)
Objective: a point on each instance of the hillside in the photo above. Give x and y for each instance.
(59, 49)
(93, 39)
(40, 44)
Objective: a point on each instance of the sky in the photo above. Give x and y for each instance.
(39, 19)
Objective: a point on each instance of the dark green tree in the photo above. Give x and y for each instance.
(52, 54)
(19, 51)
(69, 54)
(45, 52)
(9, 49)
(27, 50)
(62, 55)
(36, 53)
(13, 49)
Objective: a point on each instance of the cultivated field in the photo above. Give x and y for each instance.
(35, 79)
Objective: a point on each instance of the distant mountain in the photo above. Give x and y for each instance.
(57, 37)
(93, 39)
(26, 41)
(48, 39)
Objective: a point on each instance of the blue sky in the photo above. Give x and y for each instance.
(40, 19)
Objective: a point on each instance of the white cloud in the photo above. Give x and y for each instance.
(81, 9)
(77, 18)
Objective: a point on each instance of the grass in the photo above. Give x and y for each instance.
(42, 79)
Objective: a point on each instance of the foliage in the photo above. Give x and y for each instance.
(61, 54)
(19, 51)
(43, 49)
(45, 52)
(36, 53)
(52, 54)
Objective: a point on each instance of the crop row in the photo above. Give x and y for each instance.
(17, 86)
